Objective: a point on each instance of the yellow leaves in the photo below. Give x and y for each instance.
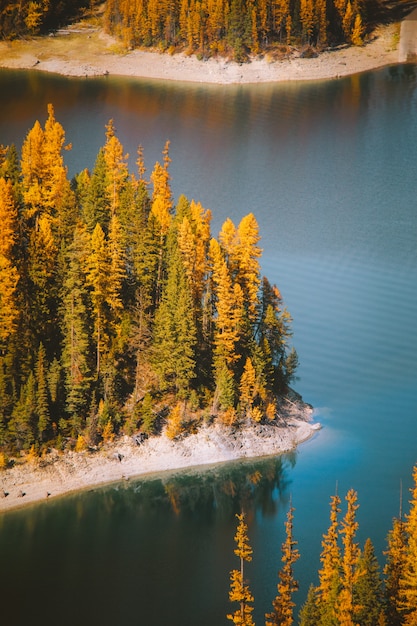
(356, 36)
(108, 432)
(81, 444)
(193, 241)
(8, 218)
(161, 197)
(243, 549)
(161, 209)
(9, 311)
(239, 590)
(174, 427)
(241, 251)
(43, 170)
(4, 461)
(247, 385)
(116, 163)
(9, 276)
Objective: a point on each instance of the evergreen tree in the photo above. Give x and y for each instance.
(175, 332)
(76, 330)
(42, 395)
(368, 596)
(310, 613)
(94, 196)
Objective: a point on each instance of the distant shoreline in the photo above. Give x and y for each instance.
(60, 474)
(92, 53)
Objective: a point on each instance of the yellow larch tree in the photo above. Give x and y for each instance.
(32, 167)
(117, 169)
(247, 386)
(239, 589)
(345, 607)
(247, 254)
(9, 311)
(98, 271)
(283, 604)
(229, 308)
(408, 580)
(329, 574)
(8, 218)
(44, 175)
(117, 267)
(193, 242)
(161, 209)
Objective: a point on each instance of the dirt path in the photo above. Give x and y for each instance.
(408, 38)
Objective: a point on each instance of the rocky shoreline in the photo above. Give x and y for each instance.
(59, 474)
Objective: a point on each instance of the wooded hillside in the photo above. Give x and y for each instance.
(119, 309)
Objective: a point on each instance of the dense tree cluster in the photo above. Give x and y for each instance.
(118, 309)
(32, 17)
(352, 591)
(239, 27)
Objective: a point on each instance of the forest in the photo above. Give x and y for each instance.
(31, 17)
(119, 311)
(238, 28)
(352, 590)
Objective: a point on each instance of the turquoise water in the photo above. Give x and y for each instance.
(329, 169)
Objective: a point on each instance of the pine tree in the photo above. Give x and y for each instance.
(368, 595)
(95, 199)
(174, 332)
(310, 613)
(239, 589)
(42, 399)
(283, 604)
(76, 330)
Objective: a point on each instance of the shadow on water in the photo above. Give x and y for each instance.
(122, 554)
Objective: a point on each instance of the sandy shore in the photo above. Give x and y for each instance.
(60, 474)
(88, 52)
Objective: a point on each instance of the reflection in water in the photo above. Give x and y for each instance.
(139, 543)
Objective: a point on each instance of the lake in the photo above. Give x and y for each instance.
(329, 170)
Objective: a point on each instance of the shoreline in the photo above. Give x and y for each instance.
(90, 52)
(58, 474)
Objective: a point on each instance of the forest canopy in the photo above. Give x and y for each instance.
(119, 310)
(238, 27)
